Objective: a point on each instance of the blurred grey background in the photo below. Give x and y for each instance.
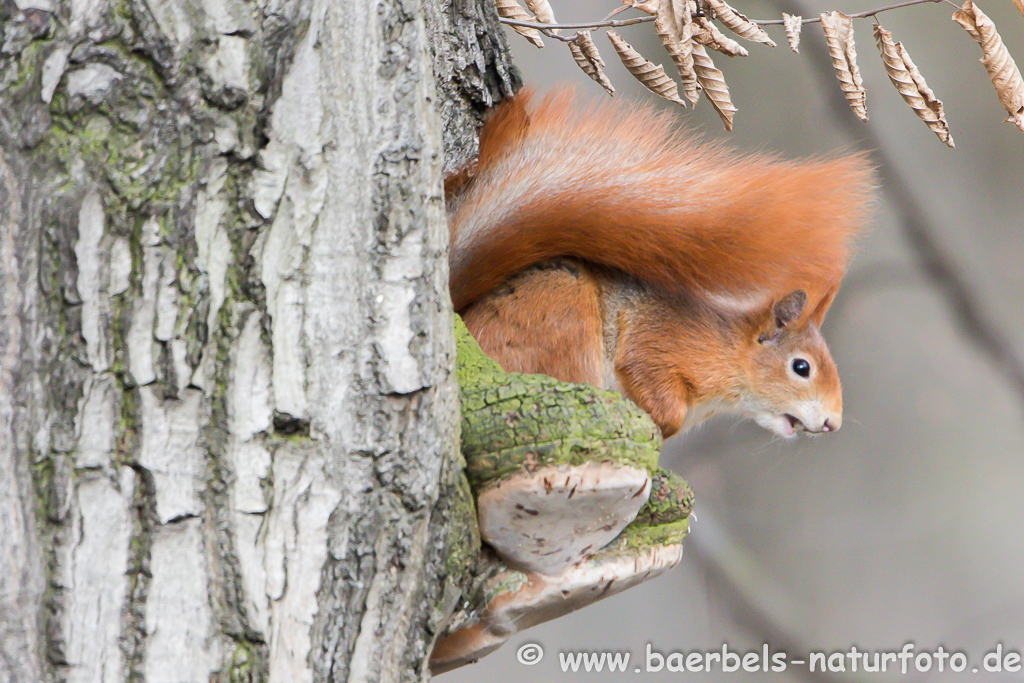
(906, 526)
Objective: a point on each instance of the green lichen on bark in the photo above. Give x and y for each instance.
(463, 533)
(663, 520)
(248, 664)
(473, 364)
(513, 422)
(119, 126)
(670, 501)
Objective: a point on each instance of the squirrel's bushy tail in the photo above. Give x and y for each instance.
(616, 185)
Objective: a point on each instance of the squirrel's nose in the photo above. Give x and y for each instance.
(830, 424)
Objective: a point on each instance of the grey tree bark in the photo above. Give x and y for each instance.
(228, 418)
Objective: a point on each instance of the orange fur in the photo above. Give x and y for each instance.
(615, 185)
(684, 275)
(544, 321)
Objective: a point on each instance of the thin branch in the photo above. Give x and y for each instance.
(858, 15)
(615, 23)
(617, 10)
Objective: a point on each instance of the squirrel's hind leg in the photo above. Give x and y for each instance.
(544, 320)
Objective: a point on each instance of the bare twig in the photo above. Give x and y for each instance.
(616, 23)
(858, 15)
(611, 23)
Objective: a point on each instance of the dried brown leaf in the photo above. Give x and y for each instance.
(680, 10)
(911, 85)
(691, 86)
(584, 51)
(542, 10)
(649, 6)
(589, 48)
(708, 35)
(651, 75)
(793, 23)
(739, 24)
(713, 82)
(1002, 70)
(675, 36)
(665, 24)
(510, 9)
(838, 30)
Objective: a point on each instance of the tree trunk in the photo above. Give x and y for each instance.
(228, 417)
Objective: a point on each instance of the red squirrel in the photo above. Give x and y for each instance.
(598, 245)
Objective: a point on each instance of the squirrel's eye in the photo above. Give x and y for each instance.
(801, 367)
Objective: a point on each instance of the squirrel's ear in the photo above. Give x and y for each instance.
(784, 311)
(818, 316)
(788, 308)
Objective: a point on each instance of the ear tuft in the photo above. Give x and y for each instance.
(785, 311)
(788, 308)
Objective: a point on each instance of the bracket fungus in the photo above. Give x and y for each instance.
(570, 502)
